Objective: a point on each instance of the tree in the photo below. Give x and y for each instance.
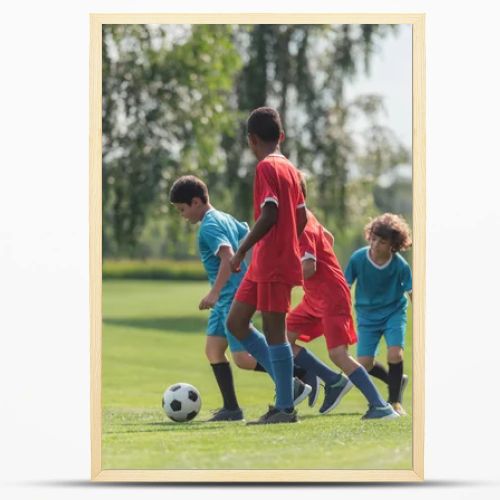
(303, 70)
(165, 90)
(175, 101)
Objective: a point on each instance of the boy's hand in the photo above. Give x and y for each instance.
(235, 262)
(209, 300)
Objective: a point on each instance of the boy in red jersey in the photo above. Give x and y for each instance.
(326, 310)
(280, 217)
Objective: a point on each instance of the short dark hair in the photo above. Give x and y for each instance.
(265, 123)
(186, 188)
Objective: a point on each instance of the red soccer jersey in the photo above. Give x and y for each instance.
(327, 290)
(276, 257)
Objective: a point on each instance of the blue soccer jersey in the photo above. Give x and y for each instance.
(380, 290)
(219, 229)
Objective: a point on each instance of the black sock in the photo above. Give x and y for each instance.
(224, 377)
(395, 380)
(259, 368)
(379, 372)
(298, 371)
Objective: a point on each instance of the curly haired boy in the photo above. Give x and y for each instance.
(383, 278)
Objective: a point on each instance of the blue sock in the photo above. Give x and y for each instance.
(311, 363)
(256, 345)
(363, 382)
(282, 360)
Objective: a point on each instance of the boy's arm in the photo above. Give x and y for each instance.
(268, 217)
(408, 281)
(225, 253)
(308, 268)
(349, 274)
(301, 219)
(329, 236)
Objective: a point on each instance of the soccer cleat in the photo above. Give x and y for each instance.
(398, 408)
(300, 391)
(334, 393)
(404, 384)
(313, 381)
(380, 412)
(275, 416)
(225, 415)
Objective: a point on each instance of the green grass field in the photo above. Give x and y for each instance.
(153, 336)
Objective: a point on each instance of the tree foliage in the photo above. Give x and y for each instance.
(175, 101)
(165, 95)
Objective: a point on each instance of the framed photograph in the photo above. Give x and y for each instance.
(171, 397)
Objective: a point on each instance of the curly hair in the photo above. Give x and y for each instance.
(391, 227)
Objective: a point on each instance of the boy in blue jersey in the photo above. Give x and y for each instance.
(382, 278)
(219, 235)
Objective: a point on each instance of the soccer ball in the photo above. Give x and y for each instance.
(181, 402)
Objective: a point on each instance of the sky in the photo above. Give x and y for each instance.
(391, 77)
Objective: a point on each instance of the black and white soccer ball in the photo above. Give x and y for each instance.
(181, 402)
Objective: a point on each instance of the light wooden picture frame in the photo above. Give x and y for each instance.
(416, 473)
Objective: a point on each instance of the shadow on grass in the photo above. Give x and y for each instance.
(328, 417)
(173, 427)
(184, 324)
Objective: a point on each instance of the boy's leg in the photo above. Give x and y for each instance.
(395, 360)
(238, 324)
(241, 357)
(298, 371)
(301, 389)
(310, 327)
(357, 375)
(368, 362)
(368, 342)
(215, 351)
(245, 361)
(395, 337)
(281, 358)
(374, 368)
(313, 364)
(379, 371)
(308, 378)
(303, 324)
(270, 297)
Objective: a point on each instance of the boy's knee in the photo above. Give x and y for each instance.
(215, 353)
(395, 354)
(209, 353)
(367, 362)
(215, 357)
(337, 355)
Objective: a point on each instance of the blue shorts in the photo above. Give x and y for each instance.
(369, 335)
(217, 327)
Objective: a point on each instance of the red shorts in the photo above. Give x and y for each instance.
(265, 297)
(338, 329)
